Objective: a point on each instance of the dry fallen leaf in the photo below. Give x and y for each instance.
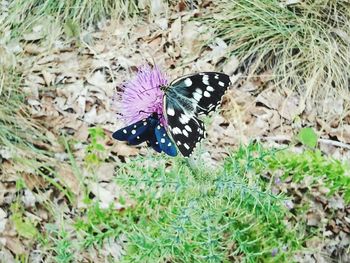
(68, 177)
(3, 220)
(231, 65)
(15, 245)
(290, 108)
(342, 133)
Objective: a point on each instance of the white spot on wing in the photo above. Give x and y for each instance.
(184, 119)
(188, 82)
(169, 144)
(178, 143)
(162, 140)
(170, 111)
(158, 127)
(125, 131)
(145, 123)
(206, 94)
(205, 80)
(188, 128)
(221, 83)
(133, 131)
(186, 146)
(184, 132)
(176, 130)
(199, 91)
(197, 96)
(210, 88)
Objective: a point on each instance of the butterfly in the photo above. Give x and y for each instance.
(148, 130)
(185, 100)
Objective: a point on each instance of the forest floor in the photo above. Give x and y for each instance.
(96, 204)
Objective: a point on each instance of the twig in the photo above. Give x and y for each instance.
(320, 140)
(334, 143)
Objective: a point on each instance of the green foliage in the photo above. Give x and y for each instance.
(63, 247)
(182, 215)
(71, 28)
(208, 216)
(24, 226)
(95, 151)
(333, 173)
(100, 224)
(308, 137)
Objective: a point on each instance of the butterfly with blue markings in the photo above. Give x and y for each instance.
(185, 100)
(148, 130)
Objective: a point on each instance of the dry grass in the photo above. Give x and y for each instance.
(19, 133)
(306, 44)
(23, 14)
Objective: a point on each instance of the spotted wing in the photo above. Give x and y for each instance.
(164, 141)
(152, 142)
(188, 97)
(186, 132)
(147, 130)
(137, 132)
(201, 92)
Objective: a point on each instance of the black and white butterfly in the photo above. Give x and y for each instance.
(185, 99)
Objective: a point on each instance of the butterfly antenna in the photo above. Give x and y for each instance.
(148, 89)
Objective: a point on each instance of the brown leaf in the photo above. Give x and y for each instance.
(290, 108)
(122, 149)
(15, 245)
(175, 30)
(33, 49)
(270, 99)
(313, 219)
(48, 78)
(190, 45)
(342, 133)
(105, 171)
(3, 220)
(231, 65)
(68, 177)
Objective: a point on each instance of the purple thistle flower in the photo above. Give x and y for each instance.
(141, 96)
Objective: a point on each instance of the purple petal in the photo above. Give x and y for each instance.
(142, 95)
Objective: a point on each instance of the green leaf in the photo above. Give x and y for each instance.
(71, 28)
(23, 225)
(99, 147)
(25, 228)
(308, 137)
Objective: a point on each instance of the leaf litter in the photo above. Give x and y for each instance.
(69, 88)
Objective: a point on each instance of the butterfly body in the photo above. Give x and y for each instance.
(184, 100)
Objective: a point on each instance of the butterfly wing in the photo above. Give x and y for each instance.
(201, 92)
(188, 97)
(149, 130)
(152, 142)
(186, 134)
(164, 141)
(137, 132)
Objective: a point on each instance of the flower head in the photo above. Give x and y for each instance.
(142, 95)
